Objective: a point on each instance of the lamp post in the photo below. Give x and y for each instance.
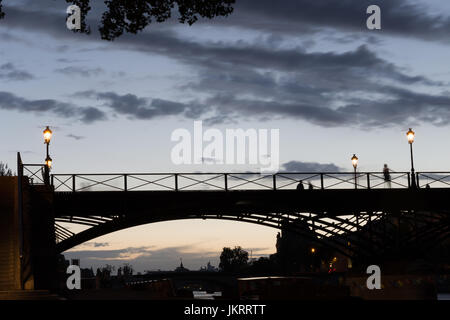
(48, 161)
(355, 165)
(410, 135)
(313, 251)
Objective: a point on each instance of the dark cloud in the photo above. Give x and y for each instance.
(9, 72)
(298, 166)
(91, 114)
(75, 137)
(244, 80)
(65, 60)
(399, 18)
(80, 71)
(394, 106)
(251, 60)
(96, 244)
(9, 101)
(327, 89)
(399, 106)
(143, 108)
(8, 37)
(33, 20)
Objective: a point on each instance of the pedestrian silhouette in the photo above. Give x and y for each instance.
(300, 185)
(310, 186)
(428, 186)
(387, 176)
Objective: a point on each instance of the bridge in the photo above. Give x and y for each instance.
(357, 214)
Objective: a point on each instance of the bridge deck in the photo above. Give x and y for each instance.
(331, 202)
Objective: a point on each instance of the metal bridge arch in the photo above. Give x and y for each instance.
(335, 234)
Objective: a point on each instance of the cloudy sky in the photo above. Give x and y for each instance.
(310, 68)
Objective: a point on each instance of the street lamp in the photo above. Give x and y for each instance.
(47, 137)
(411, 135)
(313, 251)
(48, 161)
(355, 165)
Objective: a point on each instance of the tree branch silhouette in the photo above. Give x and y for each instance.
(132, 16)
(2, 14)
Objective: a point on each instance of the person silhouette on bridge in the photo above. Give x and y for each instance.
(310, 186)
(300, 185)
(387, 175)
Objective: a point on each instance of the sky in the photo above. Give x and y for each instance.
(309, 68)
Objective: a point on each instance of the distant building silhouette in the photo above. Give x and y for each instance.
(181, 268)
(209, 268)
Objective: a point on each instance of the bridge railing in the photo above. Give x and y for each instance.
(433, 179)
(35, 173)
(226, 181)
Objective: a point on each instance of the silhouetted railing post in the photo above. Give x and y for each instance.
(73, 183)
(20, 212)
(274, 182)
(409, 180)
(176, 181)
(417, 180)
(226, 181)
(46, 175)
(357, 221)
(321, 181)
(368, 181)
(125, 183)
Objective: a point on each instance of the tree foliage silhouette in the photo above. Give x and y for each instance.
(2, 14)
(127, 270)
(133, 16)
(5, 171)
(233, 260)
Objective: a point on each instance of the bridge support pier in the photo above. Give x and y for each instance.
(43, 245)
(27, 236)
(10, 265)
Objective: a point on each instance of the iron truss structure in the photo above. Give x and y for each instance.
(365, 235)
(354, 214)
